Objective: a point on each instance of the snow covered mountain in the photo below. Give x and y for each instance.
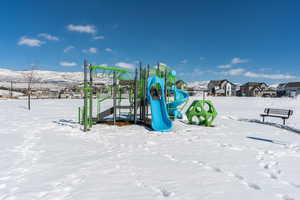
(274, 86)
(41, 75)
(7, 75)
(198, 85)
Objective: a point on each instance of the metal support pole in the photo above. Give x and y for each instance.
(114, 97)
(144, 94)
(135, 96)
(141, 89)
(98, 106)
(79, 113)
(165, 74)
(91, 97)
(85, 128)
(147, 76)
(11, 86)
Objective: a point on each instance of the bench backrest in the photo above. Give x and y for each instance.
(275, 111)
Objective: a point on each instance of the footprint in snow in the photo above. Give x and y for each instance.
(170, 157)
(201, 163)
(239, 177)
(230, 146)
(165, 192)
(272, 176)
(268, 165)
(216, 169)
(253, 186)
(294, 185)
(286, 197)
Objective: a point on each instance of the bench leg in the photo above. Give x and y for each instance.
(283, 121)
(263, 119)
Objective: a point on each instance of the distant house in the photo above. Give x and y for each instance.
(221, 88)
(281, 90)
(291, 89)
(269, 92)
(253, 89)
(53, 93)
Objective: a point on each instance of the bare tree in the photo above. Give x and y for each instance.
(29, 77)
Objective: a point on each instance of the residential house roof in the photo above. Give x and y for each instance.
(293, 84)
(219, 82)
(254, 84)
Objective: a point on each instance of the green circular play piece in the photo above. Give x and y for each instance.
(203, 110)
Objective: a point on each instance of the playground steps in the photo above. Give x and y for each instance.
(110, 110)
(106, 113)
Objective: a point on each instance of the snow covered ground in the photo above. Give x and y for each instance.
(7, 93)
(45, 155)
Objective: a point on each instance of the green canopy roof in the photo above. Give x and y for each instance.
(110, 68)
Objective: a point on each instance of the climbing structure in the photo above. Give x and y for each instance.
(201, 112)
(127, 91)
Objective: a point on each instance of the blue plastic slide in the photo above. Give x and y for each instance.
(180, 98)
(160, 120)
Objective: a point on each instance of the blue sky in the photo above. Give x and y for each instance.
(202, 40)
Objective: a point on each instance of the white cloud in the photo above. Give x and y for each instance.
(68, 48)
(184, 61)
(108, 49)
(125, 65)
(99, 37)
(90, 50)
(238, 60)
(241, 71)
(48, 36)
(67, 64)
(234, 72)
(269, 76)
(226, 66)
(104, 64)
(234, 61)
(31, 42)
(82, 28)
(161, 63)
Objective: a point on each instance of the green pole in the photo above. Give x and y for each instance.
(91, 98)
(135, 96)
(147, 76)
(98, 105)
(140, 89)
(79, 113)
(85, 120)
(114, 96)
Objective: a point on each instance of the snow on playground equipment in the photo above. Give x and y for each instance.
(150, 86)
(201, 112)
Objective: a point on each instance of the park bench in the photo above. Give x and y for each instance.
(279, 113)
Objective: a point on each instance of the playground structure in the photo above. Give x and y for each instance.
(132, 93)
